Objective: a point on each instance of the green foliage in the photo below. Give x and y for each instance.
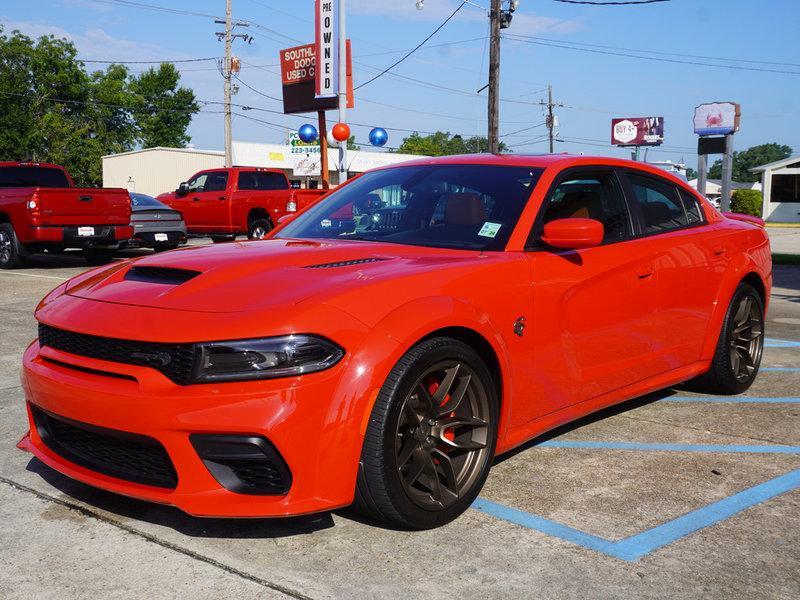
(351, 143)
(52, 110)
(750, 158)
(691, 173)
(443, 144)
(746, 202)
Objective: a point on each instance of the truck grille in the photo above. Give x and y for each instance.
(175, 361)
(127, 456)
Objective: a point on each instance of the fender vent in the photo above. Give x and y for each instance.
(345, 263)
(164, 275)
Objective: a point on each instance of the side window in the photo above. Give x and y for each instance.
(661, 207)
(216, 182)
(595, 196)
(197, 183)
(261, 180)
(692, 208)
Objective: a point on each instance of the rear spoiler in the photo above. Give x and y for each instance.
(746, 218)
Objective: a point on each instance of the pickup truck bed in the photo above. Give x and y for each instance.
(40, 210)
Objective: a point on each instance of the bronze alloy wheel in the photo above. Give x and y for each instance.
(746, 338)
(441, 438)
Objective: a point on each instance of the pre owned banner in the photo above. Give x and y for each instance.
(327, 48)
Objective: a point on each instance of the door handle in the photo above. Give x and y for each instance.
(719, 250)
(196, 199)
(222, 197)
(644, 272)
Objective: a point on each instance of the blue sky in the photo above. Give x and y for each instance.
(594, 85)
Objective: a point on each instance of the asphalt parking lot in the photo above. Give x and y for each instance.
(675, 495)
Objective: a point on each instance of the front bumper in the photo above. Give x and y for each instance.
(292, 414)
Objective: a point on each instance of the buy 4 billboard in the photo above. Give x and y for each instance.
(637, 131)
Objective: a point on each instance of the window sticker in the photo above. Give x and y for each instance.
(489, 229)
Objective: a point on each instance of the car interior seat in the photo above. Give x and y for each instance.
(464, 209)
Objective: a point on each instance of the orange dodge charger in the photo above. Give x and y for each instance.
(385, 344)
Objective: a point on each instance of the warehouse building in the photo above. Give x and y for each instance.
(781, 185)
(156, 170)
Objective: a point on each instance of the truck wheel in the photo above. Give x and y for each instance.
(258, 229)
(12, 253)
(98, 256)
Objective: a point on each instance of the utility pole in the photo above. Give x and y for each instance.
(551, 121)
(494, 76)
(342, 90)
(227, 77)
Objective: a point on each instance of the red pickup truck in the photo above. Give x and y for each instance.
(224, 203)
(42, 210)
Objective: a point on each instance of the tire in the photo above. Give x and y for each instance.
(12, 253)
(258, 228)
(740, 346)
(98, 256)
(404, 443)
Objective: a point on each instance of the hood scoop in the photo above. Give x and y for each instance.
(345, 263)
(162, 275)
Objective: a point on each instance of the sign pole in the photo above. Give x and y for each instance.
(727, 174)
(342, 90)
(702, 173)
(323, 150)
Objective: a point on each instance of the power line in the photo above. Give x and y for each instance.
(148, 62)
(627, 3)
(653, 58)
(417, 47)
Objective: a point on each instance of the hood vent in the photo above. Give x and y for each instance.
(345, 263)
(163, 275)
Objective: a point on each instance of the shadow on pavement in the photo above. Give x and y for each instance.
(168, 516)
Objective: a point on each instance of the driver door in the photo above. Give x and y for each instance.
(593, 307)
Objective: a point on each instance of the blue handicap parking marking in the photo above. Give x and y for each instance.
(638, 545)
(781, 369)
(773, 343)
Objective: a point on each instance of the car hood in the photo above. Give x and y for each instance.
(258, 275)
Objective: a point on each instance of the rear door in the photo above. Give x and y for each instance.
(207, 205)
(689, 264)
(592, 308)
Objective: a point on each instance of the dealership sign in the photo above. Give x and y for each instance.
(298, 75)
(717, 118)
(638, 131)
(327, 48)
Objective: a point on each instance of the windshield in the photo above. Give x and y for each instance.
(145, 200)
(32, 176)
(472, 207)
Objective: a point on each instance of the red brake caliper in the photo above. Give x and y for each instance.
(433, 385)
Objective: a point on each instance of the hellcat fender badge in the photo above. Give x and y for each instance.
(519, 326)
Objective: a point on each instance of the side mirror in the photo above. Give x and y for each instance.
(285, 218)
(183, 189)
(573, 233)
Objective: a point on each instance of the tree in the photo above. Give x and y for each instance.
(351, 143)
(442, 144)
(161, 108)
(750, 158)
(691, 173)
(52, 110)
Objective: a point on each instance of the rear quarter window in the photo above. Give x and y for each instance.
(661, 207)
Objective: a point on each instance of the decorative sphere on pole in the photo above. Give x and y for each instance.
(341, 132)
(378, 136)
(308, 133)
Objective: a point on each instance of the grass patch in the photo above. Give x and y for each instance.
(786, 259)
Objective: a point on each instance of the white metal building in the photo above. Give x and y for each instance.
(157, 170)
(781, 183)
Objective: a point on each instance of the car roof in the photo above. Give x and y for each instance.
(29, 163)
(543, 161)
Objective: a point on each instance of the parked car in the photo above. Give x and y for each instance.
(42, 210)
(155, 225)
(347, 360)
(224, 203)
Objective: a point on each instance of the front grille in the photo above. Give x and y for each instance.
(127, 456)
(175, 361)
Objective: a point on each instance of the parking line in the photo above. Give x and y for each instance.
(641, 544)
(732, 400)
(33, 275)
(774, 343)
(724, 448)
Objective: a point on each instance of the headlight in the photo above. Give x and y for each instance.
(284, 356)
